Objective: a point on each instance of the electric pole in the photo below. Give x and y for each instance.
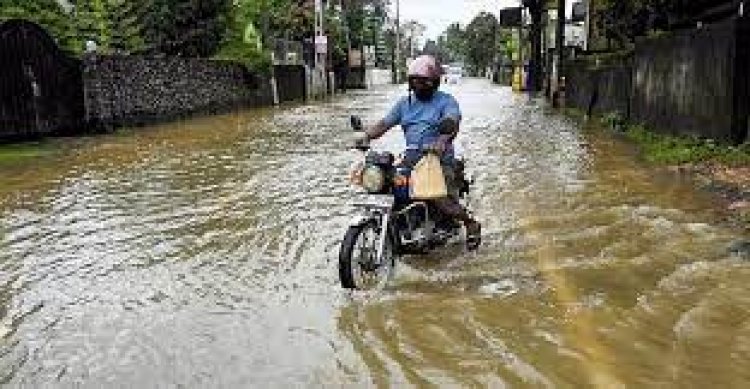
(535, 58)
(397, 57)
(319, 57)
(321, 50)
(560, 45)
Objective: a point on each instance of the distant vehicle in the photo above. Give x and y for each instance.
(453, 75)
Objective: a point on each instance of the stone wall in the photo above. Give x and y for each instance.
(126, 90)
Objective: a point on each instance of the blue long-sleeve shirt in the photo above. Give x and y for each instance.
(420, 120)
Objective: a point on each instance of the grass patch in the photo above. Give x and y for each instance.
(669, 149)
(14, 153)
(574, 113)
(675, 150)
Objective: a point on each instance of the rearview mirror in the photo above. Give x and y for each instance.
(356, 123)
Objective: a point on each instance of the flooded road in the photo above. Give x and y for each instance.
(203, 254)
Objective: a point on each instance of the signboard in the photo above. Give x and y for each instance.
(575, 35)
(579, 12)
(511, 17)
(355, 58)
(321, 44)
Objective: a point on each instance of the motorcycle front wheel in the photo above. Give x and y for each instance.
(359, 267)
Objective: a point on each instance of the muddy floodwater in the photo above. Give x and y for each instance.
(203, 254)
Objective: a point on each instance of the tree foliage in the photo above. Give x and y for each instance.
(621, 21)
(123, 18)
(481, 41)
(477, 46)
(452, 44)
(113, 24)
(236, 29)
(243, 41)
(191, 28)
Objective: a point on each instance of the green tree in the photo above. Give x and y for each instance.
(480, 36)
(338, 36)
(124, 21)
(113, 24)
(243, 41)
(452, 44)
(191, 28)
(289, 19)
(91, 22)
(621, 21)
(365, 20)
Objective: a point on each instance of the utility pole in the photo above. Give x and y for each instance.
(520, 42)
(587, 32)
(397, 59)
(560, 49)
(320, 58)
(535, 35)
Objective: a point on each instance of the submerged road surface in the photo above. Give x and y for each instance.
(203, 254)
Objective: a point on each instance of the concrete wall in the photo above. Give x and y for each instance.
(121, 90)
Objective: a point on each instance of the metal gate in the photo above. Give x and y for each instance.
(41, 90)
(290, 81)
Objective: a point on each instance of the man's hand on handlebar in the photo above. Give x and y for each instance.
(362, 142)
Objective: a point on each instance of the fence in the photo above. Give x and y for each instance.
(291, 82)
(693, 82)
(600, 88)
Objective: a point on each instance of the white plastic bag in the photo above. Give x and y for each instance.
(427, 181)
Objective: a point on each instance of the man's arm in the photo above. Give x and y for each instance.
(377, 130)
(390, 120)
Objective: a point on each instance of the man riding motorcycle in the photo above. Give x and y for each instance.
(430, 120)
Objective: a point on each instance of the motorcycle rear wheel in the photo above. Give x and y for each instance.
(359, 268)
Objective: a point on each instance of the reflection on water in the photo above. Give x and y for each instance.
(202, 253)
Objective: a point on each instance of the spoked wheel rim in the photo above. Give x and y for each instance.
(369, 273)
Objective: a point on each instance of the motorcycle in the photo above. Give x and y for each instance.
(390, 223)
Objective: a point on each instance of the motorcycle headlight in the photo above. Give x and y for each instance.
(373, 179)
